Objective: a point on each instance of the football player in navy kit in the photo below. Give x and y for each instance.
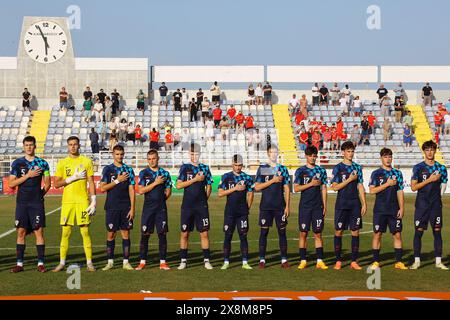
(429, 179)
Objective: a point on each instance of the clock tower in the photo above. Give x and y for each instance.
(46, 61)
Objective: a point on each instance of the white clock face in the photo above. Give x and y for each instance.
(45, 42)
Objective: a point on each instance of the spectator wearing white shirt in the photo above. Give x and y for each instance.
(184, 99)
(446, 129)
(293, 105)
(335, 91)
(205, 109)
(98, 111)
(123, 128)
(250, 95)
(315, 94)
(209, 129)
(343, 102)
(259, 94)
(215, 93)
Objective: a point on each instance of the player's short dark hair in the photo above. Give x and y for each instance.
(73, 138)
(271, 146)
(118, 148)
(347, 145)
(237, 158)
(385, 152)
(195, 147)
(152, 152)
(430, 144)
(310, 150)
(29, 139)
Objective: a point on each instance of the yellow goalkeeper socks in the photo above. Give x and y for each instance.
(87, 244)
(64, 247)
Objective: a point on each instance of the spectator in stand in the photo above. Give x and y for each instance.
(249, 123)
(87, 110)
(348, 95)
(335, 91)
(436, 137)
(372, 122)
(327, 139)
(356, 107)
(177, 100)
(98, 110)
(259, 94)
(87, 94)
(399, 91)
(446, 124)
(102, 130)
(184, 99)
(399, 109)
(113, 124)
(447, 105)
(293, 105)
(427, 95)
(138, 135)
(63, 99)
(408, 119)
(355, 135)
(323, 95)
(339, 130)
(141, 96)
(215, 93)
(342, 137)
(407, 137)
(217, 116)
(115, 98)
(205, 109)
(315, 94)
(438, 121)
(193, 110)
(169, 141)
(93, 136)
(200, 95)
(224, 126)
(231, 114)
(334, 137)
(123, 129)
(304, 105)
(299, 117)
(131, 133)
(163, 94)
(166, 126)
(209, 125)
(108, 109)
(240, 121)
(101, 97)
(387, 129)
(256, 140)
(267, 90)
(316, 138)
(386, 106)
(364, 130)
(382, 92)
(26, 99)
(154, 139)
(303, 138)
(250, 95)
(113, 140)
(344, 105)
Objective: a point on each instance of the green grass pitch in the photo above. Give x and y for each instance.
(196, 278)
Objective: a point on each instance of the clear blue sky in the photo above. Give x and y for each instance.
(177, 32)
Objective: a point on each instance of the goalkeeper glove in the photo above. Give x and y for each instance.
(78, 175)
(91, 209)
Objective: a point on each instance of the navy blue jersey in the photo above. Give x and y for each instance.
(195, 195)
(157, 197)
(272, 196)
(312, 197)
(118, 198)
(30, 191)
(347, 197)
(386, 201)
(237, 201)
(431, 193)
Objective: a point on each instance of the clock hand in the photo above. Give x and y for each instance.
(45, 40)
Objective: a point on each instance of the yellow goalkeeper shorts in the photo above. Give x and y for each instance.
(75, 213)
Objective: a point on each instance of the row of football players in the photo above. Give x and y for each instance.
(75, 173)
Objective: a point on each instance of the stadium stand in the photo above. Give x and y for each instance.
(13, 128)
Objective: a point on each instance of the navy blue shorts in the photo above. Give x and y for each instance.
(311, 218)
(266, 218)
(345, 219)
(232, 222)
(381, 221)
(198, 216)
(154, 217)
(431, 215)
(30, 216)
(117, 220)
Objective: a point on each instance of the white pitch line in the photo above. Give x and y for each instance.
(7, 233)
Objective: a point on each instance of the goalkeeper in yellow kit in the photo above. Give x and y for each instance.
(72, 173)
